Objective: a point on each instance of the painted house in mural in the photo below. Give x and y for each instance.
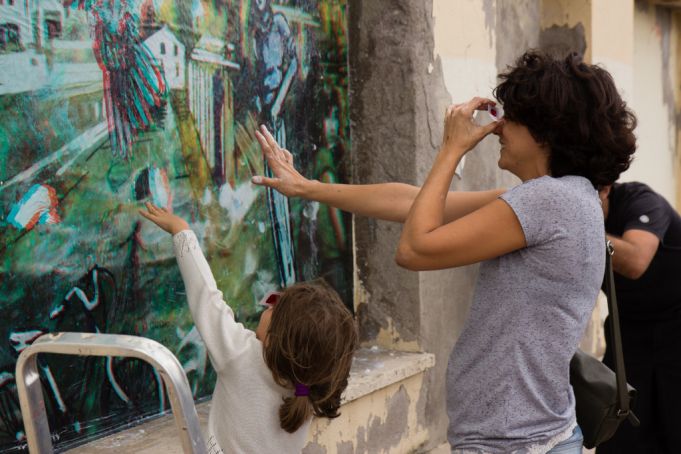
(170, 54)
(211, 103)
(16, 28)
(24, 67)
(30, 23)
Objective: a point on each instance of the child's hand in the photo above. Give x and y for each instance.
(167, 221)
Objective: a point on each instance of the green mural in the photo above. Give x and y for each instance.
(105, 104)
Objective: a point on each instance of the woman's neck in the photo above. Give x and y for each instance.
(535, 169)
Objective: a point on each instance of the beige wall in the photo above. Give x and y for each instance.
(637, 42)
(408, 61)
(465, 44)
(677, 84)
(655, 81)
(611, 18)
(384, 421)
(569, 13)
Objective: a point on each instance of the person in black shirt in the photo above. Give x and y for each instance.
(646, 234)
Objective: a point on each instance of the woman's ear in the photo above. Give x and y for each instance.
(603, 193)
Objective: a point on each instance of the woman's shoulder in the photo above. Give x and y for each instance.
(560, 196)
(548, 187)
(547, 181)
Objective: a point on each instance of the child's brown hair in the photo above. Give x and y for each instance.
(310, 341)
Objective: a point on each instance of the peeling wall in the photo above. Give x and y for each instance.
(654, 100)
(676, 83)
(384, 421)
(408, 61)
(567, 14)
(400, 88)
(383, 131)
(614, 18)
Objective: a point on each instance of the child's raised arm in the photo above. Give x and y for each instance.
(166, 220)
(224, 338)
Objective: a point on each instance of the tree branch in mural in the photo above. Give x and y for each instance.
(134, 85)
(276, 66)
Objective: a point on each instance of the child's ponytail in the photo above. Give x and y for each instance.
(294, 412)
(309, 346)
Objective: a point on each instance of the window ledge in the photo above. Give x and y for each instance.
(374, 368)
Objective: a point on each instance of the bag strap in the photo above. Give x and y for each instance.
(615, 335)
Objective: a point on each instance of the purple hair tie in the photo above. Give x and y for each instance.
(302, 390)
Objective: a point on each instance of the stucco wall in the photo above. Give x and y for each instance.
(654, 87)
(408, 61)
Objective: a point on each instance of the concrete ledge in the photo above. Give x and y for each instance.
(373, 369)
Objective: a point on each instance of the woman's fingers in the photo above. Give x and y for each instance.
(476, 103)
(265, 181)
(288, 156)
(262, 141)
(275, 159)
(271, 141)
(264, 146)
(490, 128)
(269, 145)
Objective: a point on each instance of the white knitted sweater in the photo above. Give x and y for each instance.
(244, 409)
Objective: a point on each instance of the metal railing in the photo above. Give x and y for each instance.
(90, 344)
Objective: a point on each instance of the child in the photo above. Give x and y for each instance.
(270, 381)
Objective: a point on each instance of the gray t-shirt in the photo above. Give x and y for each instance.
(508, 383)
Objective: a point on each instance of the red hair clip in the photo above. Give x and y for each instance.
(270, 299)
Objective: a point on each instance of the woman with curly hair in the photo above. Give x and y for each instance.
(566, 132)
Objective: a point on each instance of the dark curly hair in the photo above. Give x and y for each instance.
(311, 341)
(574, 109)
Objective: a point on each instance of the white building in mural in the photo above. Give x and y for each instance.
(49, 20)
(169, 52)
(26, 26)
(16, 27)
(211, 103)
(30, 23)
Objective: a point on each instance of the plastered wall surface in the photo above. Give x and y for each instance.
(107, 104)
(384, 421)
(398, 98)
(676, 82)
(654, 100)
(614, 18)
(470, 42)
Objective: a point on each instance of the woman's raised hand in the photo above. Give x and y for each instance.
(461, 134)
(286, 179)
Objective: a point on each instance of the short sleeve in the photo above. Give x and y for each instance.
(535, 204)
(647, 211)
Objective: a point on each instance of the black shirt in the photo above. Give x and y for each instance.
(656, 295)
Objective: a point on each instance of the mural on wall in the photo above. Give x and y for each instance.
(105, 104)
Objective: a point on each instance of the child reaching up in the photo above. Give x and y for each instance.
(271, 381)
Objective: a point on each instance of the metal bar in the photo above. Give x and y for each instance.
(90, 344)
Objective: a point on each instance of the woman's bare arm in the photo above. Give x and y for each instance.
(387, 201)
(428, 240)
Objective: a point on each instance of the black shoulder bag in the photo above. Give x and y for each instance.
(603, 398)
